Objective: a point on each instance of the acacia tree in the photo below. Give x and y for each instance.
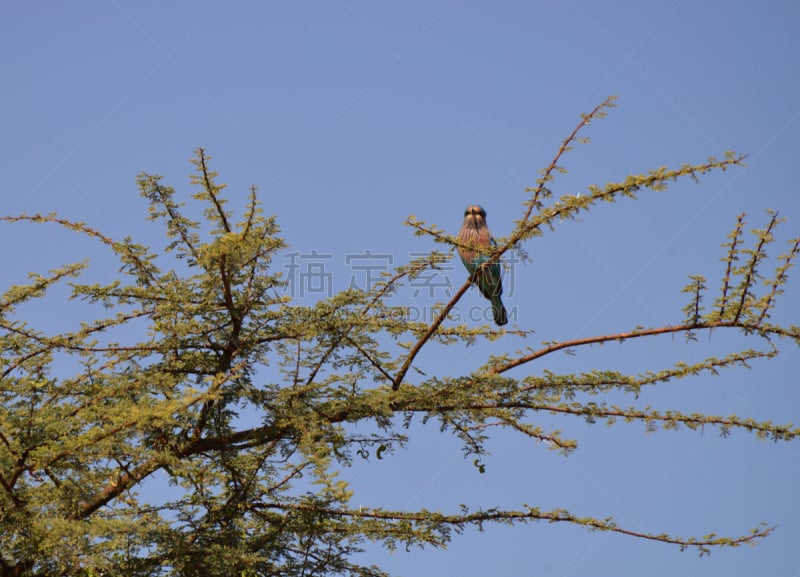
(263, 495)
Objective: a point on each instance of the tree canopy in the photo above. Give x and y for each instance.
(201, 369)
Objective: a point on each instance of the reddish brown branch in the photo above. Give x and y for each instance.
(620, 337)
(398, 379)
(565, 145)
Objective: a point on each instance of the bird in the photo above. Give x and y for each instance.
(475, 233)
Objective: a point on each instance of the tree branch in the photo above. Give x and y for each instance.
(707, 324)
(434, 524)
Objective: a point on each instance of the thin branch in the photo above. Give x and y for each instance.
(398, 379)
(735, 236)
(210, 189)
(384, 290)
(565, 146)
(758, 254)
(633, 335)
(428, 518)
(371, 360)
(783, 432)
(780, 278)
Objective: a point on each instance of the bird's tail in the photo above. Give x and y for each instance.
(499, 311)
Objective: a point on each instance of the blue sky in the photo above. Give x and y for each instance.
(349, 116)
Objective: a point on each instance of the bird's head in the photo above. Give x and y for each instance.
(474, 215)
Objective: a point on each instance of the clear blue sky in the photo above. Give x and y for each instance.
(349, 116)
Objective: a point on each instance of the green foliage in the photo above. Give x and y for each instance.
(267, 497)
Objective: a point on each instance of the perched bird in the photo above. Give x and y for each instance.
(475, 233)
